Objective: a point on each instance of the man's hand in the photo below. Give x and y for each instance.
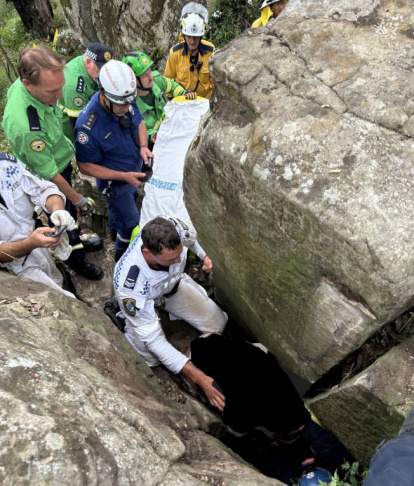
(216, 398)
(62, 217)
(145, 152)
(207, 265)
(134, 178)
(85, 206)
(38, 239)
(190, 95)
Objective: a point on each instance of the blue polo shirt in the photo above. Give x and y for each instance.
(101, 140)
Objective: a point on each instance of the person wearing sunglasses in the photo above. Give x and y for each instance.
(188, 61)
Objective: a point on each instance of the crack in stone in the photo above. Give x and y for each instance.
(285, 43)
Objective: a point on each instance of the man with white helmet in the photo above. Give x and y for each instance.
(188, 61)
(269, 9)
(151, 274)
(111, 145)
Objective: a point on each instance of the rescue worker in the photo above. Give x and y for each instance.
(151, 90)
(111, 145)
(80, 74)
(269, 9)
(188, 61)
(33, 126)
(150, 274)
(24, 250)
(193, 7)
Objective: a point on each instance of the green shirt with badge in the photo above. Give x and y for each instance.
(77, 91)
(34, 131)
(152, 105)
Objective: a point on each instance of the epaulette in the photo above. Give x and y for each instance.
(204, 47)
(33, 117)
(80, 87)
(177, 47)
(9, 157)
(90, 122)
(208, 48)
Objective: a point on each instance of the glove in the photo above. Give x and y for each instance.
(190, 95)
(85, 206)
(63, 249)
(62, 217)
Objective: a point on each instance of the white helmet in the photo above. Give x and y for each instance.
(266, 3)
(197, 8)
(193, 25)
(117, 82)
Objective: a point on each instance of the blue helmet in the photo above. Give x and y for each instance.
(314, 476)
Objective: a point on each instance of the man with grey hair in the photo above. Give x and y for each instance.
(80, 74)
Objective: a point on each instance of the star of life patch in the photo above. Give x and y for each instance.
(83, 138)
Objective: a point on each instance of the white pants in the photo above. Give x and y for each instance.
(191, 304)
(40, 267)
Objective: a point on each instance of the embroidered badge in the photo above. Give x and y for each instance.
(129, 306)
(83, 138)
(78, 101)
(38, 145)
(131, 278)
(107, 56)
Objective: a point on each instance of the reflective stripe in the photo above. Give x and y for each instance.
(79, 246)
(71, 113)
(179, 90)
(119, 237)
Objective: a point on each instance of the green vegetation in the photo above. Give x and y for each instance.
(13, 39)
(229, 18)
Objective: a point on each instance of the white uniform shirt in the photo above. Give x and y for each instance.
(137, 287)
(21, 191)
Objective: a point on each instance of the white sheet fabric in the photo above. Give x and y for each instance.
(164, 192)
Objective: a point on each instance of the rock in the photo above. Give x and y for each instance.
(370, 407)
(299, 183)
(126, 26)
(79, 406)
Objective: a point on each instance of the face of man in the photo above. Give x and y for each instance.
(277, 8)
(91, 68)
(164, 259)
(192, 42)
(117, 110)
(49, 88)
(147, 81)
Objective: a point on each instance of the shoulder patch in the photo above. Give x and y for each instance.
(90, 122)
(33, 117)
(177, 47)
(9, 157)
(38, 145)
(130, 307)
(132, 277)
(80, 87)
(78, 101)
(83, 138)
(208, 48)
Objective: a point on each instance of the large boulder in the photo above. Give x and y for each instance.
(299, 182)
(78, 405)
(370, 407)
(137, 24)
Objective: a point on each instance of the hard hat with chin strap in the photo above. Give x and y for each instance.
(117, 82)
(138, 61)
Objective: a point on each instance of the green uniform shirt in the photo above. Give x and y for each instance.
(152, 105)
(77, 91)
(34, 131)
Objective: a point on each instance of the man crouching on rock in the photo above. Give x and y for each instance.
(151, 274)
